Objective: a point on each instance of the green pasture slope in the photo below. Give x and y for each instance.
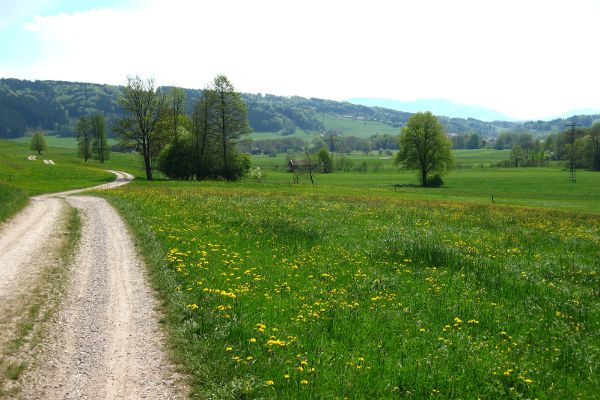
(21, 178)
(348, 127)
(352, 289)
(56, 141)
(356, 127)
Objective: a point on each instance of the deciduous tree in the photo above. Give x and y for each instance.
(144, 105)
(231, 124)
(423, 146)
(100, 147)
(594, 146)
(84, 139)
(38, 142)
(325, 160)
(203, 133)
(176, 101)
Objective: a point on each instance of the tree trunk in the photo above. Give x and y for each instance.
(225, 160)
(147, 164)
(423, 177)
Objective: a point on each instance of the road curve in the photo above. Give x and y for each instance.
(26, 238)
(106, 342)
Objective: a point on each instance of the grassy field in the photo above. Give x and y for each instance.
(56, 141)
(348, 126)
(358, 128)
(536, 187)
(277, 293)
(21, 178)
(354, 288)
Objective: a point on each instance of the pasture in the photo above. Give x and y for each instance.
(21, 178)
(327, 293)
(355, 288)
(348, 126)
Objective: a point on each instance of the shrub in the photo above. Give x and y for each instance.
(435, 181)
(177, 161)
(241, 164)
(325, 160)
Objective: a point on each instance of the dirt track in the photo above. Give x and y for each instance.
(25, 242)
(105, 342)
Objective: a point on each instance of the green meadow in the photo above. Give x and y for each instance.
(349, 126)
(363, 285)
(357, 127)
(303, 293)
(21, 178)
(56, 141)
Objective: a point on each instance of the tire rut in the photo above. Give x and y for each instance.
(109, 339)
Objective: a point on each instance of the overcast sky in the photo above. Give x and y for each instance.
(526, 59)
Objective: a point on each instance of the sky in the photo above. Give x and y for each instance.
(527, 59)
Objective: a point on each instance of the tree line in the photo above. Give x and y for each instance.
(340, 144)
(198, 146)
(579, 147)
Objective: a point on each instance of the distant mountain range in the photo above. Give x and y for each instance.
(452, 109)
(580, 111)
(436, 106)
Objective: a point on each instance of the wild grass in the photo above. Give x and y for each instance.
(56, 141)
(314, 294)
(21, 178)
(351, 288)
(35, 177)
(12, 199)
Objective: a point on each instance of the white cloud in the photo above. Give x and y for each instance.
(13, 11)
(510, 55)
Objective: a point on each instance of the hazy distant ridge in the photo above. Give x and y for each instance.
(436, 106)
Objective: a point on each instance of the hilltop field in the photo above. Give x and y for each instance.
(362, 285)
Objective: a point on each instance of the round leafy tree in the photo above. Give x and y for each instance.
(424, 146)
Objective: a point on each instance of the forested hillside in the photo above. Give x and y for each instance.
(55, 106)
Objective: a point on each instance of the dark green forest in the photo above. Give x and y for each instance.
(55, 106)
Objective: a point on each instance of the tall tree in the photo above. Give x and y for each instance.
(325, 160)
(38, 142)
(517, 156)
(423, 146)
(231, 122)
(203, 132)
(144, 105)
(176, 110)
(595, 146)
(100, 148)
(84, 139)
(474, 142)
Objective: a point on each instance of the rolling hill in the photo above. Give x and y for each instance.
(55, 106)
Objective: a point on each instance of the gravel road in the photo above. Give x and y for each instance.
(106, 342)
